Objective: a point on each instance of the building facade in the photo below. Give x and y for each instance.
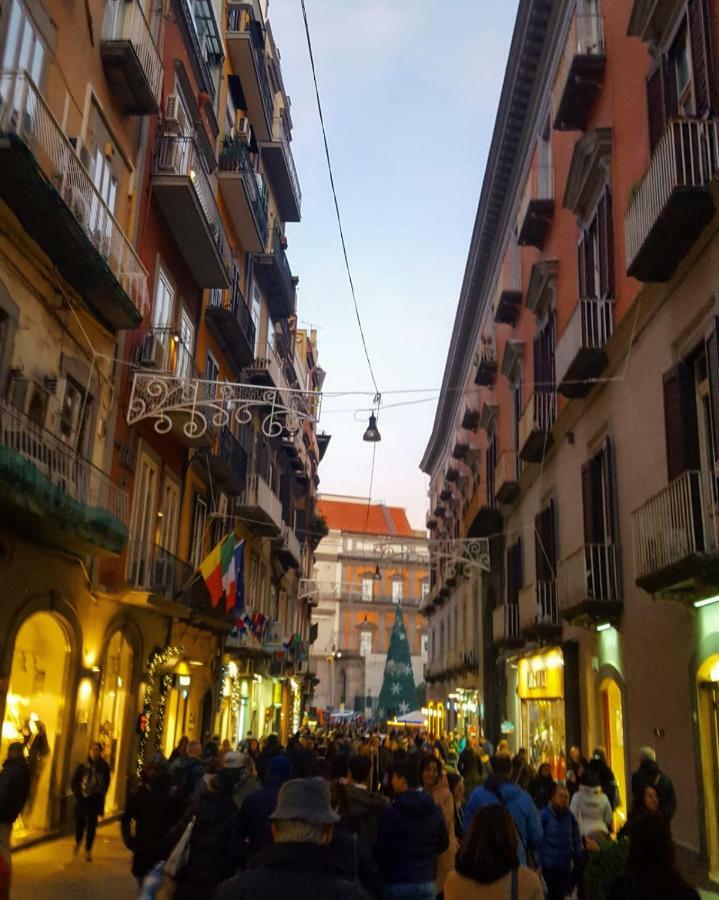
(155, 392)
(369, 561)
(583, 447)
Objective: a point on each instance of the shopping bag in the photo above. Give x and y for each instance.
(178, 858)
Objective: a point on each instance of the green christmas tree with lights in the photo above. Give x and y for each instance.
(398, 694)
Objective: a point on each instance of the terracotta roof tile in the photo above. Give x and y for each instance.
(348, 515)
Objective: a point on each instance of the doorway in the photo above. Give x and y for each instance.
(112, 729)
(34, 716)
(708, 702)
(613, 732)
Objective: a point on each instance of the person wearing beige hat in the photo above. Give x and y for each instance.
(299, 864)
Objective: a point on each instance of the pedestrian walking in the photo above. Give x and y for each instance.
(215, 851)
(651, 872)
(257, 807)
(411, 837)
(577, 765)
(299, 865)
(498, 789)
(434, 781)
(470, 768)
(598, 764)
(14, 791)
(542, 786)
(488, 866)
(187, 771)
(152, 809)
(650, 775)
(456, 786)
(247, 781)
(591, 808)
(358, 807)
(89, 787)
(522, 771)
(271, 749)
(560, 849)
(180, 749)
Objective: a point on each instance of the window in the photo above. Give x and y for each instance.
(199, 524)
(517, 405)
(142, 524)
(185, 347)
(545, 564)
(595, 258)
(397, 590)
(170, 509)
(600, 530)
(424, 588)
(514, 572)
(75, 415)
(424, 642)
(212, 368)
(365, 643)
(367, 588)
(23, 50)
(681, 71)
(545, 399)
(491, 462)
(256, 316)
(164, 300)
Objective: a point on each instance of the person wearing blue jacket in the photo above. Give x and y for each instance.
(560, 849)
(499, 789)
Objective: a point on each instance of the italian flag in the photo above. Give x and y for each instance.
(222, 569)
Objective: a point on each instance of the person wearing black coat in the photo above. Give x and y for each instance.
(89, 787)
(154, 807)
(411, 833)
(254, 822)
(650, 775)
(215, 853)
(301, 864)
(542, 786)
(14, 791)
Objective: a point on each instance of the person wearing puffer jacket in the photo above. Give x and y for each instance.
(591, 808)
(561, 849)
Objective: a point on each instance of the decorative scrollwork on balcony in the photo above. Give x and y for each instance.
(208, 405)
(455, 557)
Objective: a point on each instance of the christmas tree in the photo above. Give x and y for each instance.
(399, 694)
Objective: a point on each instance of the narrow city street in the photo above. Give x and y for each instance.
(49, 870)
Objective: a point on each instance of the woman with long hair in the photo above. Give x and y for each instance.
(434, 781)
(487, 866)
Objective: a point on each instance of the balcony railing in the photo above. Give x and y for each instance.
(535, 425)
(671, 204)
(60, 464)
(674, 525)
(153, 568)
(506, 477)
(536, 207)
(234, 157)
(291, 542)
(240, 346)
(538, 606)
(589, 577)
(259, 494)
(580, 354)
(580, 71)
(162, 349)
(125, 22)
(23, 112)
(180, 155)
(505, 623)
(237, 22)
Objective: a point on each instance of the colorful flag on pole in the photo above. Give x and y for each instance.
(211, 571)
(219, 571)
(239, 562)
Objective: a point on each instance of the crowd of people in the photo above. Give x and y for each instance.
(343, 814)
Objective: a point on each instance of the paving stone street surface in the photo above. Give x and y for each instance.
(49, 871)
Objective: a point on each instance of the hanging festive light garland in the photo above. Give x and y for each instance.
(156, 661)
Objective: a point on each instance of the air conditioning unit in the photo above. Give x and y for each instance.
(31, 397)
(173, 111)
(83, 151)
(152, 352)
(242, 127)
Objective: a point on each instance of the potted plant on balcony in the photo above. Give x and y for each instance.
(283, 241)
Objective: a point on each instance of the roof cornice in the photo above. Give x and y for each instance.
(520, 99)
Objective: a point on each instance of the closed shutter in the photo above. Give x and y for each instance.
(655, 106)
(680, 421)
(514, 572)
(587, 502)
(545, 545)
(610, 492)
(581, 269)
(698, 15)
(712, 352)
(669, 79)
(604, 227)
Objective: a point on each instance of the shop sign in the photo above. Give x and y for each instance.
(541, 676)
(507, 728)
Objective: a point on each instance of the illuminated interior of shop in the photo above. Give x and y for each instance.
(613, 729)
(708, 703)
(34, 713)
(176, 708)
(111, 724)
(541, 694)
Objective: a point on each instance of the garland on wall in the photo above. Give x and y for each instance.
(155, 662)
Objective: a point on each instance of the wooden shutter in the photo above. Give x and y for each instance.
(655, 106)
(581, 268)
(712, 352)
(606, 262)
(545, 545)
(589, 536)
(698, 16)
(680, 421)
(609, 485)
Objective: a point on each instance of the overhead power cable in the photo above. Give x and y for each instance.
(336, 202)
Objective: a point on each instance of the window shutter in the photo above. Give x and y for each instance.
(712, 351)
(581, 268)
(587, 503)
(610, 490)
(701, 55)
(544, 544)
(655, 106)
(604, 225)
(680, 421)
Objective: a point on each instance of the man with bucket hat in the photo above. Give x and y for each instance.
(299, 864)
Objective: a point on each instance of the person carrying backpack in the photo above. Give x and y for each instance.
(89, 786)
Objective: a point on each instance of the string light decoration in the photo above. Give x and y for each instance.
(296, 705)
(155, 662)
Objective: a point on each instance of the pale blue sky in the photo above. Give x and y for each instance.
(409, 90)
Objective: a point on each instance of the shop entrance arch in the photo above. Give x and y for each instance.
(112, 730)
(612, 712)
(36, 714)
(708, 706)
